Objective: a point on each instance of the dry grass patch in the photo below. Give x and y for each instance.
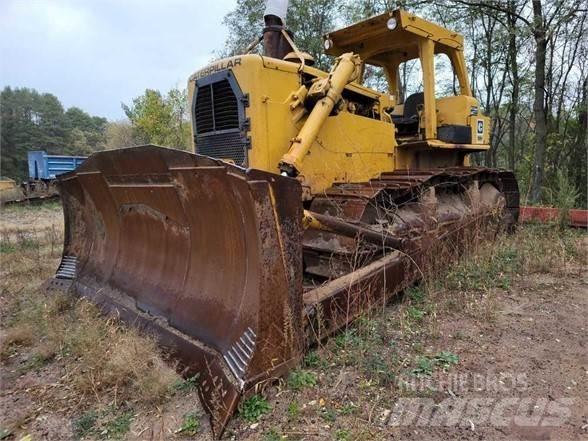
(101, 359)
(79, 361)
(367, 366)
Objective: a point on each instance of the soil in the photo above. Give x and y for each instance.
(529, 352)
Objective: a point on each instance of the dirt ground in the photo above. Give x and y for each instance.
(503, 358)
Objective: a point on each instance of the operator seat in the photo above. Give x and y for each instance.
(408, 123)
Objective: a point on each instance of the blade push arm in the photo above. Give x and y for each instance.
(345, 70)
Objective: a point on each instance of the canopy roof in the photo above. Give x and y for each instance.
(376, 43)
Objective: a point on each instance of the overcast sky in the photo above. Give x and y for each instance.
(96, 53)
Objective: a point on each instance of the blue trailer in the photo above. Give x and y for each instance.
(46, 167)
(41, 185)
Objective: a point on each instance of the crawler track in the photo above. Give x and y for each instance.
(214, 259)
(423, 209)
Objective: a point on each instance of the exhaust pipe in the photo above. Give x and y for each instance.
(274, 18)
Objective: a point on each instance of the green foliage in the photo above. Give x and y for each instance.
(349, 337)
(415, 314)
(348, 409)
(84, 425)
(118, 427)
(253, 408)
(186, 385)
(272, 435)
(34, 363)
(415, 294)
(376, 367)
(300, 379)
(482, 273)
(37, 121)
(312, 360)
(329, 415)
(22, 243)
(424, 367)
(445, 359)
(563, 197)
(342, 435)
(161, 120)
(106, 424)
(6, 247)
(309, 20)
(293, 410)
(190, 424)
(119, 134)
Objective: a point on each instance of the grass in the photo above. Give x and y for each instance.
(445, 359)
(342, 435)
(293, 410)
(92, 360)
(253, 408)
(117, 427)
(371, 358)
(84, 425)
(190, 424)
(299, 379)
(109, 371)
(328, 415)
(425, 365)
(186, 385)
(272, 435)
(108, 424)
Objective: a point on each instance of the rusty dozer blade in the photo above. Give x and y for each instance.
(208, 256)
(205, 254)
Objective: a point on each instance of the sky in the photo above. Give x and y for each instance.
(95, 54)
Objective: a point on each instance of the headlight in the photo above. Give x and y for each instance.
(391, 23)
(328, 44)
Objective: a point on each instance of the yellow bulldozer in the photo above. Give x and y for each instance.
(309, 198)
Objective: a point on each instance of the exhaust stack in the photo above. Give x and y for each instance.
(274, 18)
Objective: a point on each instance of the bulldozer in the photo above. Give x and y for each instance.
(310, 198)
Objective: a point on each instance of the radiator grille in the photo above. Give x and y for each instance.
(203, 111)
(226, 110)
(217, 107)
(224, 146)
(219, 118)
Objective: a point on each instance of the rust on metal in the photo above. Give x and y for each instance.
(576, 218)
(215, 261)
(200, 251)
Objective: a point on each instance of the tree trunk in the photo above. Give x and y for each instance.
(514, 100)
(539, 102)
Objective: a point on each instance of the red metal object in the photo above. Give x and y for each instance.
(577, 218)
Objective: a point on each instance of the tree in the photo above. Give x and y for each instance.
(309, 20)
(35, 121)
(159, 119)
(540, 35)
(119, 134)
(86, 132)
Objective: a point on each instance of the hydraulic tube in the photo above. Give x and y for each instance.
(317, 221)
(345, 70)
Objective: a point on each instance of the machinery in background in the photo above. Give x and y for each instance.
(41, 185)
(9, 191)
